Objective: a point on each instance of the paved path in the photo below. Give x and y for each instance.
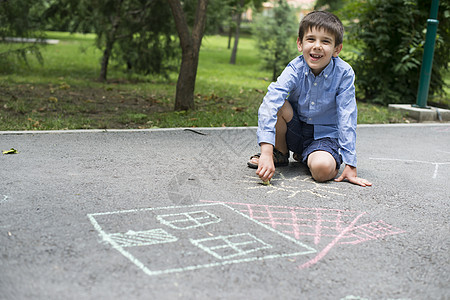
(176, 214)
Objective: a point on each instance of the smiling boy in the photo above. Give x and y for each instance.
(311, 109)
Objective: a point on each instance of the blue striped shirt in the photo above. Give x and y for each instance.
(326, 101)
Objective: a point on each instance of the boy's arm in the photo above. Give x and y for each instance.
(349, 173)
(266, 166)
(347, 113)
(347, 119)
(274, 100)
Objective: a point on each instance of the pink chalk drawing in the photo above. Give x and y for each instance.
(443, 129)
(327, 227)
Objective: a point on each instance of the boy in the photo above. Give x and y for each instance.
(311, 109)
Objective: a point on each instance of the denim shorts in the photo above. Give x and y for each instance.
(300, 140)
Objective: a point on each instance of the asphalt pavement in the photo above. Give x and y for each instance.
(177, 214)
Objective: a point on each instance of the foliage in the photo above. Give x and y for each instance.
(441, 59)
(16, 21)
(237, 9)
(62, 95)
(276, 36)
(137, 33)
(147, 45)
(217, 12)
(331, 5)
(390, 36)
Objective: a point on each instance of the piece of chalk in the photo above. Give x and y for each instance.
(266, 182)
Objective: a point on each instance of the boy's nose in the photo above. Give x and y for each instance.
(317, 45)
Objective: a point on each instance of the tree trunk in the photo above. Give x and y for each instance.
(230, 35)
(105, 61)
(184, 97)
(230, 31)
(238, 29)
(110, 40)
(190, 48)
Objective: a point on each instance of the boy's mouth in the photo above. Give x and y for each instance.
(315, 56)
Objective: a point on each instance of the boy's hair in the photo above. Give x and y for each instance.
(322, 20)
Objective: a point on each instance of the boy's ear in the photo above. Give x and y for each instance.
(337, 50)
(299, 45)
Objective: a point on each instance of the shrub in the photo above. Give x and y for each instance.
(390, 37)
(276, 35)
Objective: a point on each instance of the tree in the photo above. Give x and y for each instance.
(240, 5)
(109, 30)
(148, 45)
(239, 9)
(389, 36)
(104, 17)
(276, 36)
(216, 12)
(137, 33)
(190, 42)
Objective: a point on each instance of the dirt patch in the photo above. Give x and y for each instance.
(109, 106)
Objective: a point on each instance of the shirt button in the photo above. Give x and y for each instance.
(315, 83)
(312, 103)
(310, 119)
(326, 76)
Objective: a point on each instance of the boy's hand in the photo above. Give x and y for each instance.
(349, 173)
(266, 167)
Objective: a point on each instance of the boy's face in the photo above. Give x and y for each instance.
(318, 46)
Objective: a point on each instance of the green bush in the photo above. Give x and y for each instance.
(276, 35)
(389, 37)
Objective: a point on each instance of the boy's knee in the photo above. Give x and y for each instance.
(322, 168)
(322, 171)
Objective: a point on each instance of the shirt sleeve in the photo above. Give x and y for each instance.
(273, 101)
(347, 118)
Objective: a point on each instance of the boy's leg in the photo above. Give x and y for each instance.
(284, 116)
(322, 166)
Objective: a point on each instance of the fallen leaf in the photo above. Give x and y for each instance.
(11, 151)
(64, 86)
(238, 108)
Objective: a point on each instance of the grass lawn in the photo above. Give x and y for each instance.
(64, 93)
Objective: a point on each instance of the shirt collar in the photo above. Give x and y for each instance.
(325, 72)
